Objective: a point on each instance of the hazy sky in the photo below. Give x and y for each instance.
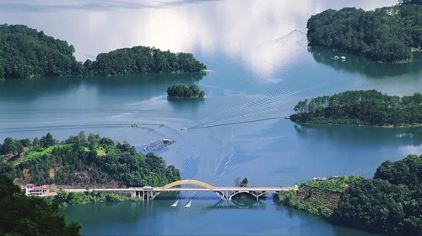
(246, 30)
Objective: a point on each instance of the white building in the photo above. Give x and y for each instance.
(32, 190)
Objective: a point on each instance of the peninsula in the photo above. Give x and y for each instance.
(388, 204)
(82, 161)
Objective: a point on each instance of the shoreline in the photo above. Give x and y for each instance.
(358, 125)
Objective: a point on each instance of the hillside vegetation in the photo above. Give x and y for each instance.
(82, 161)
(22, 215)
(390, 203)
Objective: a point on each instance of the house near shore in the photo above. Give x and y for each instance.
(32, 190)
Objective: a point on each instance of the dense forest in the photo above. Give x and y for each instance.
(390, 203)
(28, 53)
(139, 60)
(82, 161)
(386, 34)
(361, 108)
(185, 91)
(65, 199)
(22, 215)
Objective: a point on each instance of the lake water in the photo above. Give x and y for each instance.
(261, 67)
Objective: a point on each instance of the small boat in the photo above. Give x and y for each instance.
(175, 204)
(189, 204)
(158, 145)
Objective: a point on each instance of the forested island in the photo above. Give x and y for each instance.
(185, 91)
(22, 215)
(368, 107)
(140, 60)
(390, 203)
(28, 53)
(81, 161)
(388, 34)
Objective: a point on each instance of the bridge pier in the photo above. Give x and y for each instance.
(222, 195)
(144, 194)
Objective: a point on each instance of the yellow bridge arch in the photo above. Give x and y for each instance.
(189, 182)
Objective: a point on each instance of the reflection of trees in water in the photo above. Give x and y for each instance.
(347, 134)
(144, 85)
(181, 105)
(128, 212)
(362, 65)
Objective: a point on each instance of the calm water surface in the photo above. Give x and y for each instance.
(261, 66)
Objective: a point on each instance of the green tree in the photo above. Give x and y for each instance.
(244, 182)
(21, 215)
(47, 140)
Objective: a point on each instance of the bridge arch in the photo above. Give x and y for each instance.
(253, 194)
(189, 182)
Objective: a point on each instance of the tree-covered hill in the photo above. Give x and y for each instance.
(28, 53)
(390, 203)
(82, 161)
(361, 108)
(386, 34)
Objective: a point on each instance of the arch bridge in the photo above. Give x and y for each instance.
(225, 193)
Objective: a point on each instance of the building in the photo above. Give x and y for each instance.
(32, 190)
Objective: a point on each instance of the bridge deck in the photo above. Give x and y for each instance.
(160, 189)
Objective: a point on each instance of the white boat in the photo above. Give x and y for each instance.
(175, 204)
(189, 204)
